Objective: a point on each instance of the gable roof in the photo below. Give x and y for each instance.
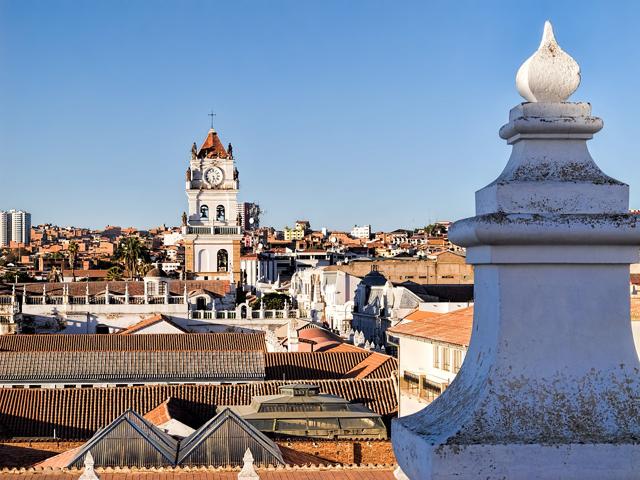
(128, 430)
(420, 315)
(224, 439)
(326, 365)
(454, 328)
(376, 365)
(148, 322)
(129, 366)
(172, 409)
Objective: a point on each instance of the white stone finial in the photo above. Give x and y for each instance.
(248, 470)
(89, 473)
(550, 74)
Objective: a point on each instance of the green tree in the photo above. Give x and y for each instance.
(72, 250)
(11, 276)
(272, 301)
(132, 253)
(114, 274)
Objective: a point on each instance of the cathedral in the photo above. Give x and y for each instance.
(212, 227)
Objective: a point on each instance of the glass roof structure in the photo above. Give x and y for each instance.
(224, 439)
(128, 441)
(301, 410)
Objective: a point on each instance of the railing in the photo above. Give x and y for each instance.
(419, 387)
(101, 300)
(232, 314)
(215, 230)
(6, 300)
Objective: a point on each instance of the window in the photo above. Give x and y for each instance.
(265, 425)
(436, 356)
(457, 360)
(204, 211)
(220, 213)
(102, 329)
(223, 261)
(446, 359)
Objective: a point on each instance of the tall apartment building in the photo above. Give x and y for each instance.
(249, 215)
(363, 231)
(15, 226)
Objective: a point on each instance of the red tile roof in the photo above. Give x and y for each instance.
(212, 146)
(172, 408)
(376, 365)
(327, 365)
(147, 322)
(419, 315)
(453, 328)
(76, 413)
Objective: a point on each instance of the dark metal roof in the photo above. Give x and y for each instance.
(129, 366)
(140, 342)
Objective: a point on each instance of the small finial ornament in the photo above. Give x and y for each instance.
(550, 74)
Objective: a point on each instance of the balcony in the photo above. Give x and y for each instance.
(214, 230)
(419, 387)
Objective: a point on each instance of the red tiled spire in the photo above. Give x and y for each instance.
(212, 146)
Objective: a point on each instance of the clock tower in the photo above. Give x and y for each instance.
(211, 230)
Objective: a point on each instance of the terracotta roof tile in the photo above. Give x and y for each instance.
(454, 328)
(172, 408)
(376, 365)
(418, 315)
(147, 322)
(212, 146)
(76, 413)
(327, 365)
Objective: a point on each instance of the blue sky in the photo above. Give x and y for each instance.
(340, 112)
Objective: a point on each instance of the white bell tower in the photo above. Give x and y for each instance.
(211, 228)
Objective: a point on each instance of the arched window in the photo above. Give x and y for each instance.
(223, 261)
(203, 261)
(204, 211)
(220, 213)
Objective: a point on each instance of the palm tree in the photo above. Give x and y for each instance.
(114, 274)
(73, 253)
(131, 251)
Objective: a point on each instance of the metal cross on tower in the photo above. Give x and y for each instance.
(212, 115)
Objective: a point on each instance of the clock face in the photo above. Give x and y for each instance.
(214, 176)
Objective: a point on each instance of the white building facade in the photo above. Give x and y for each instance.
(212, 228)
(15, 226)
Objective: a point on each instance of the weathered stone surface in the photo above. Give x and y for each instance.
(550, 384)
